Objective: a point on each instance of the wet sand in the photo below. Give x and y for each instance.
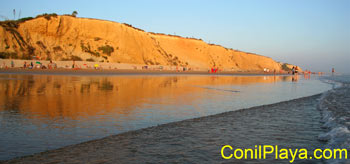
(291, 124)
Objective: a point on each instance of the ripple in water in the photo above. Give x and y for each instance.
(44, 112)
(335, 108)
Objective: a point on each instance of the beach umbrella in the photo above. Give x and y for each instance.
(38, 62)
(96, 65)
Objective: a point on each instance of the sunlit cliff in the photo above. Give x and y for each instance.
(71, 38)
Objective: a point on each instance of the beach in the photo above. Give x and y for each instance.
(252, 82)
(64, 71)
(85, 67)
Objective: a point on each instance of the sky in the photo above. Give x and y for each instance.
(313, 34)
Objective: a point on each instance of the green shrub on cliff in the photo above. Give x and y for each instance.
(75, 13)
(90, 60)
(285, 67)
(8, 55)
(24, 19)
(47, 16)
(57, 48)
(107, 49)
(13, 24)
(88, 49)
(76, 58)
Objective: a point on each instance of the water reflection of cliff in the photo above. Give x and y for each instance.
(79, 96)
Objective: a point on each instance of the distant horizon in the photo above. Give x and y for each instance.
(311, 34)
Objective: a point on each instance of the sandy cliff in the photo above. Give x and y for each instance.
(66, 38)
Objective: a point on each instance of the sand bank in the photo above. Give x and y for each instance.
(291, 124)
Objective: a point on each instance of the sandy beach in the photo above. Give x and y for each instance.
(63, 71)
(292, 124)
(88, 68)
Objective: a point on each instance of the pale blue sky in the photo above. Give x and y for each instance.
(314, 34)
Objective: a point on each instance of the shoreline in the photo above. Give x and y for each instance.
(110, 148)
(85, 67)
(63, 71)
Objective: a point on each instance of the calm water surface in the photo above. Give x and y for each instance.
(42, 112)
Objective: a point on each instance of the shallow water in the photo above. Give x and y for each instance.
(335, 109)
(291, 124)
(42, 112)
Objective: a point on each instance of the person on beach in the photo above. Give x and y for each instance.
(333, 71)
(31, 65)
(42, 66)
(25, 65)
(54, 65)
(49, 66)
(3, 65)
(12, 64)
(293, 70)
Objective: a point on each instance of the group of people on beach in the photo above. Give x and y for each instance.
(30, 66)
(39, 65)
(295, 70)
(214, 70)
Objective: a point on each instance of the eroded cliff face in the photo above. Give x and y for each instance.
(66, 38)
